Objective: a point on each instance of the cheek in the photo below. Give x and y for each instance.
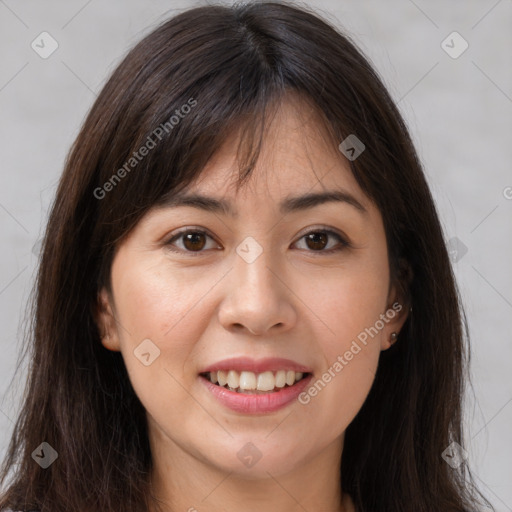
(349, 300)
(336, 395)
(154, 300)
(155, 303)
(350, 357)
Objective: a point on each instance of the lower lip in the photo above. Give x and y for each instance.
(254, 404)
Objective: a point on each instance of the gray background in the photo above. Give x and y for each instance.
(459, 111)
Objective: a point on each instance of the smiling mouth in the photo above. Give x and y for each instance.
(251, 383)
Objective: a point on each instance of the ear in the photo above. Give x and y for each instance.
(106, 322)
(397, 311)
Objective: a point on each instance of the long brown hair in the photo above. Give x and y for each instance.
(229, 65)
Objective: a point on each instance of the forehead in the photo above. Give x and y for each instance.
(297, 155)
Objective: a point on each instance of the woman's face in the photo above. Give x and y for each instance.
(275, 277)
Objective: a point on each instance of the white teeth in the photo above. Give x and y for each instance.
(222, 376)
(247, 380)
(280, 379)
(266, 381)
(233, 379)
(250, 381)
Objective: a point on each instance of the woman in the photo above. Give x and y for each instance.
(244, 300)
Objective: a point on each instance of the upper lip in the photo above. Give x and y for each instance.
(271, 364)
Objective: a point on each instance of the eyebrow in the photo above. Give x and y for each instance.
(288, 205)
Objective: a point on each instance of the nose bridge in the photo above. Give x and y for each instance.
(252, 269)
(256, 297)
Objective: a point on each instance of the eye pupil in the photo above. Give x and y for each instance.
(193, 238)
(314, 237)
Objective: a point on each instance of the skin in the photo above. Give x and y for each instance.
(294, 301)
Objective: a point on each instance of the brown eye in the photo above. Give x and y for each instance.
(316, 241)
(192, 241)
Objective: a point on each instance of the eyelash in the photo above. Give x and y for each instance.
(343, 244)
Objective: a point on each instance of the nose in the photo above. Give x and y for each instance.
(257, 299)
